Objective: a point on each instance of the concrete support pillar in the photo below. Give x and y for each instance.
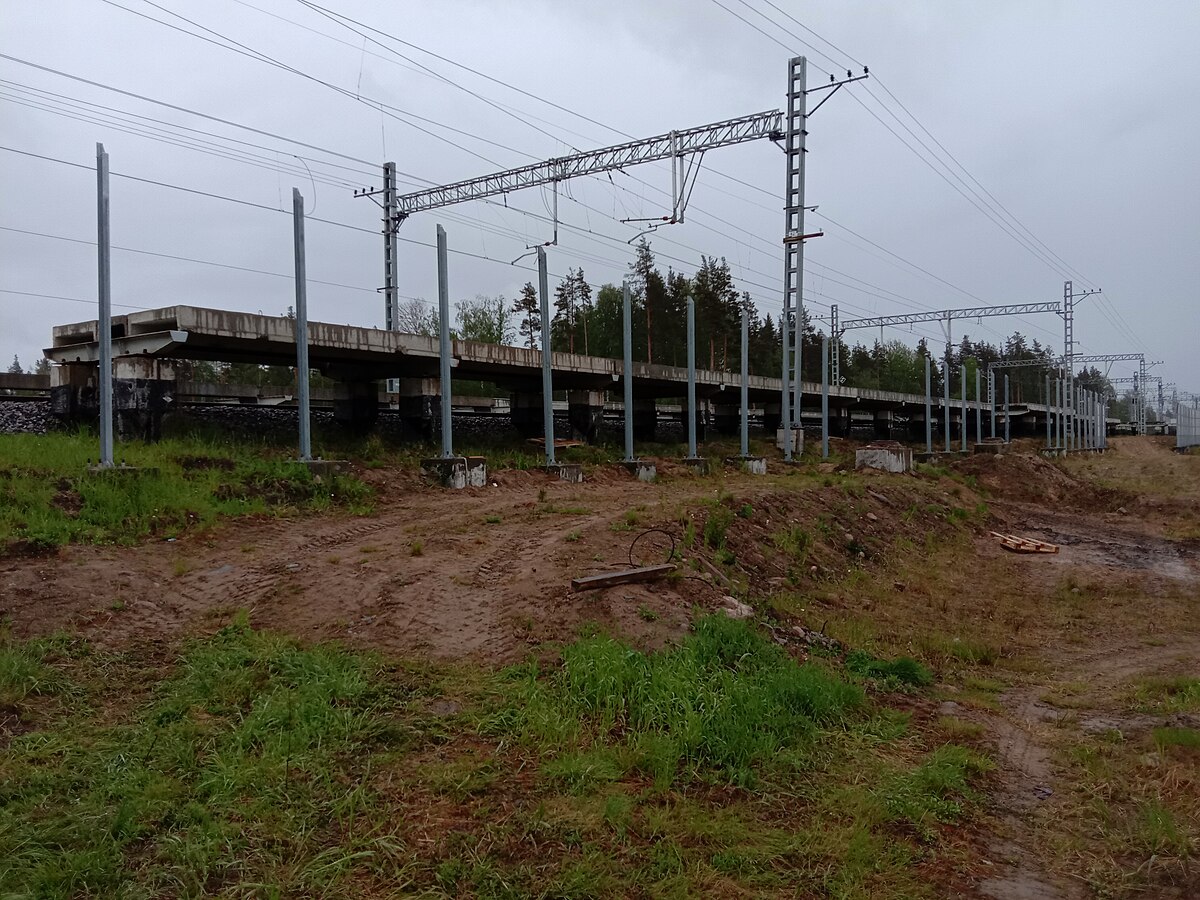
(883, 423)
(771, 417)
(418, 404)
(839, 422)
(726, 418)
(645, 420)
(143, 390)
(525, 412)
(585, 409)
(356, 405)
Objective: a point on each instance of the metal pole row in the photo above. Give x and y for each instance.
(444, 341)
(928, 409)
(547, 361)
(824, 397)
(745, 398)
(627, 371)
(1007, 417)
(301, 326)
(104, 318)
(691, 377)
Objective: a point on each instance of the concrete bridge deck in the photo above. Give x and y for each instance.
(145, 342)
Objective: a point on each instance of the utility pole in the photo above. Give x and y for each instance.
(835, 373)
(301, 325)
(1068, 317)
(795, 137)
(391, 224)
(104, 317)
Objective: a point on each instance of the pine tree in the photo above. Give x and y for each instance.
(528, 310)
(15, 368)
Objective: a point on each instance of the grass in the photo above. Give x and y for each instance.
(725, 701)
(250, 765)
(48, 498)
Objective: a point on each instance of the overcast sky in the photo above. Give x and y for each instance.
(1078, 118)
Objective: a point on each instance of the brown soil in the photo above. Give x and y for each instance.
(484, 574)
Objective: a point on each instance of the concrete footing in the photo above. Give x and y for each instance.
(569, 472)
(751, 465)
(697, 464)
(887, 456)
(991, 445)
(458, 471)
(797, 437)
(640, 469)
(325, 468)
(120, 470)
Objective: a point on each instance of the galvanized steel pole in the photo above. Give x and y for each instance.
(1048, 408)
(928, 409)
(992, 397)
(1007, 417)
(627, 371)
(824, 397)
(946, 401)
(746, 379)
(301, 323)
(978, 407)
(963, 423)
(104, 319)
(691, 383)
(444, 343)
(785, 415)
(547, 377)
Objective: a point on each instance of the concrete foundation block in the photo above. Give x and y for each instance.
(994, 446)
(569, 472)
(640, 469)
(120, 470)
(751, 465)
(325, 468)
(797, 438)
(457, 471)
(697, 464)
(886, 456)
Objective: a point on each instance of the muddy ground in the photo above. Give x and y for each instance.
(484, 575)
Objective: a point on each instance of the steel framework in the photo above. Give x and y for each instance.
(672, 145)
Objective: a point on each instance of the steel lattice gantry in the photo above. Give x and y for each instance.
(672, 145)
(944, 315)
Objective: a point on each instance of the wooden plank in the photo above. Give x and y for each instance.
(626, 576)
(1023, 545)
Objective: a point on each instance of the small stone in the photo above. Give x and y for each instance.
(1121, 511)
(871, 517)
(849, 538)
(736, 609)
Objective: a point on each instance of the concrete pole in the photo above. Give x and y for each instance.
(1007, 417)
(691, 384)
(104, 318)
(928, 409)
(801, 164)
(978, 407)
(963, 388)
(301, 323)
(627, 371)
(824, 397)
(745, 379)
(946, 401)
(444, 343)
(547, 378)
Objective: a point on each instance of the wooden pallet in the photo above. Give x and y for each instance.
(1023, 545)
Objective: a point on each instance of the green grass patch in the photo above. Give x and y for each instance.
(243, 769)
(726, 701)
(902, 671)
(48, 498)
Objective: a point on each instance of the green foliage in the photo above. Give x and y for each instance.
(715, 526)
(726, 700)
(485, 319)
(933, 791)
(904, 670)
(48, 498)
(795, 542)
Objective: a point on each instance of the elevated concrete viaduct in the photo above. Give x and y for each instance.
(145, 344)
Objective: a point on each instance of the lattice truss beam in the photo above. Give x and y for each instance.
(672, 145)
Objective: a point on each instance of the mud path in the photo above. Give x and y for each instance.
(483, 573)
(1031, 727)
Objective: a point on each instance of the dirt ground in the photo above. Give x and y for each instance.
(484, 575)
